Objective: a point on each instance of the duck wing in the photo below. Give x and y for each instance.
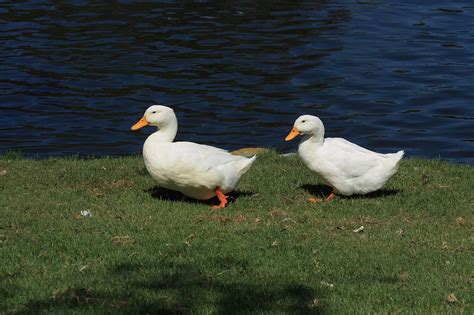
(203, 157)
(349, 159)
(188, 160)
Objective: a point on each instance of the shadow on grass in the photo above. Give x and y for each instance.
(226, 285)
(7, 290)
(323, 191)
(171, 195)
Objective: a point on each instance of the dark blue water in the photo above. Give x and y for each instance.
(387, 75)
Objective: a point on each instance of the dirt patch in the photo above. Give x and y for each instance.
(121, 240)
(463, 222)
(96, 192)
(122, 183)
(278, 213)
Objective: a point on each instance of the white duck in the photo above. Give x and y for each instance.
(196, 170)
(346, 167)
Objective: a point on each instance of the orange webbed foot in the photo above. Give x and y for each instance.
(222, 198)
(318, 200)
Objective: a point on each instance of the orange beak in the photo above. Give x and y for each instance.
(293, 134)
(140, 124)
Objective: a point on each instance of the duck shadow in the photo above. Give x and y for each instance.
(161, 193)
(323, 191)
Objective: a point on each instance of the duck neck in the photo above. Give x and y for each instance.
(166, 133)
(314, 139)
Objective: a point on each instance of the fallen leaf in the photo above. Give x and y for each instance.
(314, 200)
(275, 243)
(359, 229)
(452, 298)
(3, 172)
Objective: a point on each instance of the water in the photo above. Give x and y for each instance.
(387, 75)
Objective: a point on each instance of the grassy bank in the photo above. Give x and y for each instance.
(270, 251)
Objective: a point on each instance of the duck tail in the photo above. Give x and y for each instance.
(397, 157)
(246, 164)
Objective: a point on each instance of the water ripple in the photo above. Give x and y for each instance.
(386, 75)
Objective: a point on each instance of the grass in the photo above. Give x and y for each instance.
(147, 250)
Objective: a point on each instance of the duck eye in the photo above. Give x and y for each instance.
(303, 121)
(153, 112)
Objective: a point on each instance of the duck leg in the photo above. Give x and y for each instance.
(328, 198)
(222, 198)
(331, 196)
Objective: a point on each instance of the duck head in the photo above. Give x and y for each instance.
(156, 115)
(306, 125)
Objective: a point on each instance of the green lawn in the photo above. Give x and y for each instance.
(146, 250)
